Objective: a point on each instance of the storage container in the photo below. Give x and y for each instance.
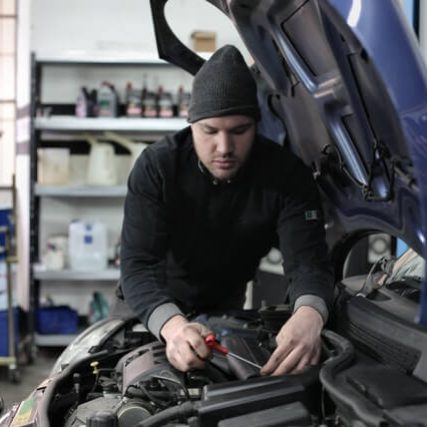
(4, 330)
(107, 100)
(87, 246)
(3, 284)
(57, 320)
(5, 221)
(54, 166)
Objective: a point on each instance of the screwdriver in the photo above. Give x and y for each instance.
(212, 343)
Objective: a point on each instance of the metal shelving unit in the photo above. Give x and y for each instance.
(59, 129)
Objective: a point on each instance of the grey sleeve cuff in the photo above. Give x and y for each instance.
(160, 316)
(315, 302)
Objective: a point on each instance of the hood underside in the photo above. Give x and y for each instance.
(343, 83)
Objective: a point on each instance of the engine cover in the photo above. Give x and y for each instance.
(145, 364)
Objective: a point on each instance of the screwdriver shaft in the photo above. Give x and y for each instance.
(236, 356)
(212, 343)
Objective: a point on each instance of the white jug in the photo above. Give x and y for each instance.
(102, 163)
(87, 245)
(54, 166)
(135, 148)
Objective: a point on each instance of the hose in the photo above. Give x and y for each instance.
(337, 392)
(337, 363)
(180, 412)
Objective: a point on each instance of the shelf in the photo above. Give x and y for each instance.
(77, 124)
(80, 190)
(101, 60)
(111, 274)
(131, 59)
(54, 340)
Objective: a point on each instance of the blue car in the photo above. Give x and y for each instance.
(343, 83)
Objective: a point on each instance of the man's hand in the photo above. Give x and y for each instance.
(298, 343)
(185, 345)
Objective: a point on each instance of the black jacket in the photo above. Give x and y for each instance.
(192, 241)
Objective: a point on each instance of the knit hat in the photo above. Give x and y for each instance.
(223, 86)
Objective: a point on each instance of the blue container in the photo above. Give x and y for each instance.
(5, 220)
(57, 320)
(4, 331)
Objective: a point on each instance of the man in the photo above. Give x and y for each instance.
(204, 205)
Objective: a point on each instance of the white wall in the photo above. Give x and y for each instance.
(118, 27)
(22, 161)
(114, 28)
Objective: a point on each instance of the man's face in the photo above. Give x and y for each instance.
(223, 143)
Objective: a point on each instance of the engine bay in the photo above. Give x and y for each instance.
(117, 374)
(143, 385)
(142, 388)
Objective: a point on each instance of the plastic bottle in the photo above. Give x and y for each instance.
(98, 308)
(143, 95)
(183, 102)
(149, 103)
(87, 246)
(164, 103)
(133, 101)
(93, 103)
(82, 103)
(107, 100)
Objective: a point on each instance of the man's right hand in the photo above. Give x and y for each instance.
(185, 343)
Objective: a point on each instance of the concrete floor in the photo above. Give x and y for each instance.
(31, 375)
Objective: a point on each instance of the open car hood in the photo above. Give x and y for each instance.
(344, 83)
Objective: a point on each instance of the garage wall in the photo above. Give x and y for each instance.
(114, 28)
(22, 162)
(118, 26)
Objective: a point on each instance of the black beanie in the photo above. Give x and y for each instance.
(223, 86)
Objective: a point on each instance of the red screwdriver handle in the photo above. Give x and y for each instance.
(212, 343)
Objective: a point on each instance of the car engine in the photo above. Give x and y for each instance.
(139, 387)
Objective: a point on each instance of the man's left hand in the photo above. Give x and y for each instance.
(298, 343)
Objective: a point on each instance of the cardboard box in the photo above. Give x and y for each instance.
(204, 41)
